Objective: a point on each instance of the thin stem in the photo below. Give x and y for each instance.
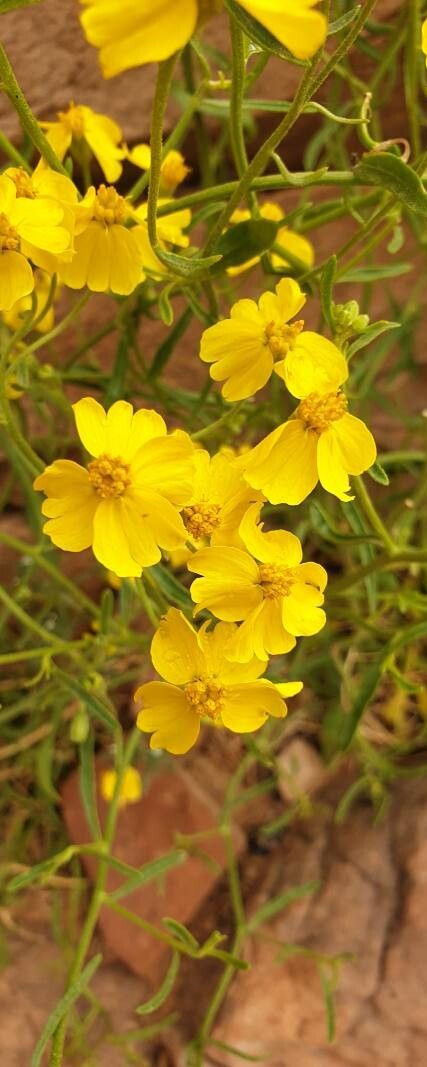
(237, 94)
(164, 78)
(372, 515)
(28, 121)
(26, 621)
(405, 558)
(35, 553)
(9, 150)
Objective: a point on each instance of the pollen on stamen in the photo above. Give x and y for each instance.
(109, 476)
(318, 411)
(201, 519)
(205, 697)
(275, 581)
(280, 339)
(9, 237)
(109, 207)
(22, 182)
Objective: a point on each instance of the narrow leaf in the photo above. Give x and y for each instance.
(378, 474)
(148, 872)
(391, 173)
(368, 335)
(63, 1007)
(164, 990)
(272, 907)
(326, 290)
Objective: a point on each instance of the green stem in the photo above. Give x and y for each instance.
(237, 94)
(35, 553)
(28, 121)
(58, 1040)
(9, 149)
(26, 621)
(372, 515)
(57, 330)
(164, 78)
(309, 85)
(405, 558)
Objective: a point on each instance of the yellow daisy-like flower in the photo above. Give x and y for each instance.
(129, 33)
(45, 185)
(259, 338)
(219, 500)
(130, 789)
(108, 254)
(278, 597)
(202, 685)
(320, 442)
(27, 226)
(292, 22)
(173, 170)
(15, 316)
(125, 504)
(291, 242)
(80, 125)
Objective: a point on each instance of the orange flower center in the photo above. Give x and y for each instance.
(281, 338)
(73, 120)
(205, 697)
(201, 519)
(9, 237)
(275, 581)
(110, 207)
(318, 412)
(22, 182)
(109, 476)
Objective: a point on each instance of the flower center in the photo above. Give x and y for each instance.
(110, 207)
(275, 581)
(109, 476)
(22, 181)
(201, 519)
(318, 412)
(9, 237)
(205, 697)
(281, 338)
(73, 120)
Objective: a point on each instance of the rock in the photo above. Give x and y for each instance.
(301, 770)
(370, 904)
(172, 803)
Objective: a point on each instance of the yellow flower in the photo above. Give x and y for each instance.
(54, 190)
(278, 597)
(27, 226)
(293, 243)
(129, 33)
(258, 338)
(173, 170)
(169, 227)
(14, 317)
(108, 254)
(219, 500)
(80, 125)
(130, 789)
(202, 685)
(292, 22)
(320, 442)
(125, 504)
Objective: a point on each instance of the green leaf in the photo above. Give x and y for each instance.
(324, 526)
(364, 695)
(61, 1009)
(345, 20)
(370, 334)
(246, 240)
(374, 274)
(326, 290)
(258, 34)
(378, 474)
(235, 1051)
(391, 173)
(87, 785)
(328, 989)
(93, 704)
(272, 907)
(165, 306)
(155, 869)
(10, 5)
(181, 933)
(185, 266)
(164, 990)
(173, 591)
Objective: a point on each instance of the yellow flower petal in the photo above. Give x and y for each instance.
(284, 304)
(215, 644)
(167, 712)
(248, 706)
(146, 425)
(301, 613)
(347, 447)
(297, 246)
(102, 136)
(118, 427)
(16, 279)
(241, 358)
(110, 543)
(91, 422)
(165, 465)
(313, 365)
(284, 465)
(138, 531)
(175, 650)
(160, 518)
(124, 261)
(62, 478)
(289, 689)
(72, 527)
(277, 546)
(130, 34)
(292, 22)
